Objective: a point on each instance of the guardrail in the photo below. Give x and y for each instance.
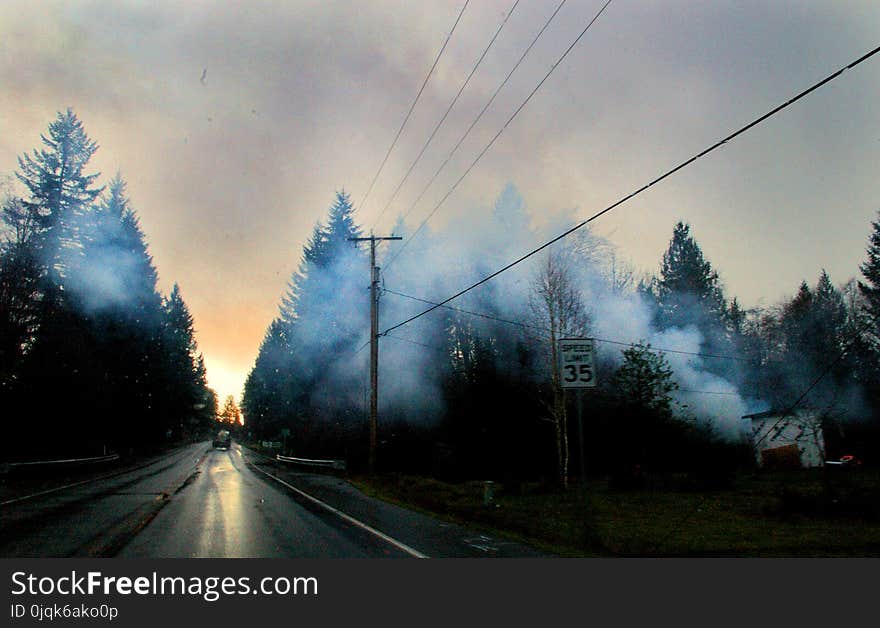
(336, 465)
(10, 466)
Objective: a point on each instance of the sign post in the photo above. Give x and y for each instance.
(577, 369)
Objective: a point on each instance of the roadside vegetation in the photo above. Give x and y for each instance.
(776, 514)
(94, 358)
(472, 390)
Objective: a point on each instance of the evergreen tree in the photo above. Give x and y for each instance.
(186, 393)
(643, 387)
(56, 347)
(814, 322)
(320, 297)
(265, 400)
(340, 228)
(116, 270)
(323, 312)
(795, 319)
(870, 288)
(114, 284)
(830, 318)
(312, 283)
(19, 292)
(736, 318)
(813, 332)
(60, 191)
(82, 323)
(688, 290)
(645, 381)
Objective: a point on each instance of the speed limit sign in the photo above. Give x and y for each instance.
(577, 367)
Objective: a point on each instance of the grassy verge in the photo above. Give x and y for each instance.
(768, 515)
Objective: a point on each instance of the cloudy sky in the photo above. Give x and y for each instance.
(235, 122)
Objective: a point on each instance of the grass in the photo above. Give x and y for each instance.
(784, 514)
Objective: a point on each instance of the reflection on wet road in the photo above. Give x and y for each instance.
(198, 501)
(227, 511)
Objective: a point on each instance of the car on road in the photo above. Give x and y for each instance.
(223, 439)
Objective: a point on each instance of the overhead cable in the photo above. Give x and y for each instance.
(413, 105)
(631, 195)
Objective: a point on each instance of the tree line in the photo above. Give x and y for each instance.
(93, 357)
(498, 409)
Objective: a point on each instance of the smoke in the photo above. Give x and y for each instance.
(104, 279)
(416, 358)
(437, 264)
(104, 261)
(332, 327)
(706, 392)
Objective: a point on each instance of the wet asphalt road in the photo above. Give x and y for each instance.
(96, 518)
(204, 502)
(228, 511)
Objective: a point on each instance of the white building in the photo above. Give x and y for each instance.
(781, 437)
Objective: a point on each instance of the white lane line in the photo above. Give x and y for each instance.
(399, 545)
(97, 479)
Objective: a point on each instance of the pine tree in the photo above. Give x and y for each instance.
(645, 380)
(643, 387)
(113, 283)
(116, 270)
(830, 317)
(736, 318)
(60, 192)
(340, 227)
(327, 245)
(813, 327)
(870, 288)
(19, 291)
(688, 290)
(186, 392)
(323, 312)
(795, 318)
(56, 348)
(266, 400)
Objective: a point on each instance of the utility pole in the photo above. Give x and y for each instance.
(374, 342)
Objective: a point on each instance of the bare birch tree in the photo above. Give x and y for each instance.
(557, 305)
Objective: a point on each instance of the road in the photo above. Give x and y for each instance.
(206, 502)
(228, 511)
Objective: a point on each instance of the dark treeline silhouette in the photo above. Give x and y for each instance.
(93, 358)
(322, 315)
(487, 402)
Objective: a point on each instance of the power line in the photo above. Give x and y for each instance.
(415, 342)
(361, 348)
(477, 119)
(684, 390)
(546, 329)
(413, 106)
(694, 353)
(478, 314)
(497, 135)
(708, 392)
(788, 412)
(644, 187)
(464, 311)
(446, 113)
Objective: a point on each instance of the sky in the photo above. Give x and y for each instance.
(234, 124)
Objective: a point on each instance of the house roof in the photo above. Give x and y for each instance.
(763, 415)
(774, 413)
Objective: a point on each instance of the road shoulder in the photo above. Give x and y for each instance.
(429, 535)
